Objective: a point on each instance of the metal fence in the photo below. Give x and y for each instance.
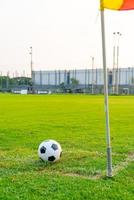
(120, 81)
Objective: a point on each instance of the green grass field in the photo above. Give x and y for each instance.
(78, 123)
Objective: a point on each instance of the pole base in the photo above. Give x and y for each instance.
(109, 162)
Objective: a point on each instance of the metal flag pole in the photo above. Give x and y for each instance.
(114, 51)
(109, 152)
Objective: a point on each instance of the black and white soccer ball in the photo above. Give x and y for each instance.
(49, 150)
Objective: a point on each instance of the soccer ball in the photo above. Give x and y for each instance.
(49, 150)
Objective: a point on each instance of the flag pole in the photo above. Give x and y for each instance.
(109, 152)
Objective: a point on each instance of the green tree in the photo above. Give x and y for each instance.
(74, 82)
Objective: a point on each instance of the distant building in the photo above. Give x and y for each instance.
(85, 77)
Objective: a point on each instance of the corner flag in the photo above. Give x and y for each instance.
(118, 4)
(112, 5)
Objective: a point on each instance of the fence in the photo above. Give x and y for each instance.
(88, 80)
(120, 81)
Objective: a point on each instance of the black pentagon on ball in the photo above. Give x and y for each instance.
(42, 150)
(51, 158)
(54, 147)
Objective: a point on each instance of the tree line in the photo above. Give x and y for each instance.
(7, 82)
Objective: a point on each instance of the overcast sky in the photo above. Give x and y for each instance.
(63, 34)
